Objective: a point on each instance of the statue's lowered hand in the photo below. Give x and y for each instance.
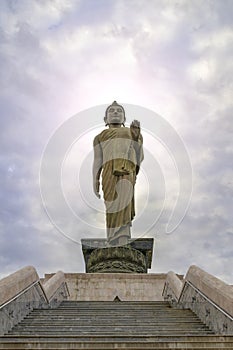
(96, 188)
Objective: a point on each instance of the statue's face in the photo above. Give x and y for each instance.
(115, 115)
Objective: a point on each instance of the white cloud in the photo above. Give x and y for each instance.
(39, 15)
(59, 57)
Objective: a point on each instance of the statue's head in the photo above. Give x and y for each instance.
(115, 114)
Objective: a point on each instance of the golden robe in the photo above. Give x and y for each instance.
(118, 156)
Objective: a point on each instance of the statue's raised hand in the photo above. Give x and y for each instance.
(135, 129)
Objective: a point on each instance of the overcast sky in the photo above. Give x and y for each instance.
(172, 59)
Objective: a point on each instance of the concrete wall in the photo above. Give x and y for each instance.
(106, 286)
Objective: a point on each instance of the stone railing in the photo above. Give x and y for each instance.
(207, 296)
(56, 289)
(23, 291)
(172, 288)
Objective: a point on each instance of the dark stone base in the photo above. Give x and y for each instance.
(134, 257)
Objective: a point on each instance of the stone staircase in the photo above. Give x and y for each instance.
(113, 325)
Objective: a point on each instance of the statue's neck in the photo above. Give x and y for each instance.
(114, 125)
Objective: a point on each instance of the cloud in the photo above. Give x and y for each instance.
(60, 57)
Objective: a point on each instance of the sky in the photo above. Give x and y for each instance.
(170, 64)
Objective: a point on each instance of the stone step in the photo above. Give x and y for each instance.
(113, 315)
(138, 343)
(116, 310)
(110, 325)
(115, 306)
(105, 317)
(112, 312)
(146, 303)
(48, 322)
(112, 329)
(107, 325)
(173, 333)
(120, 305)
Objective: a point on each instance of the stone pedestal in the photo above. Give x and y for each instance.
(135, 257)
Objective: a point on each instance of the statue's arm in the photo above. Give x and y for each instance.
(97, 166)
(138, 142)
(139, 153)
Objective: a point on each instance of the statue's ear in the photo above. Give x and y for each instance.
(106, 120)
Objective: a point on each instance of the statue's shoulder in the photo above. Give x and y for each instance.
(112, 133)
(101, 136)
(104, 134)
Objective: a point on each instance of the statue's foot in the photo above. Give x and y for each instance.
(123, 240)
(120, 241)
